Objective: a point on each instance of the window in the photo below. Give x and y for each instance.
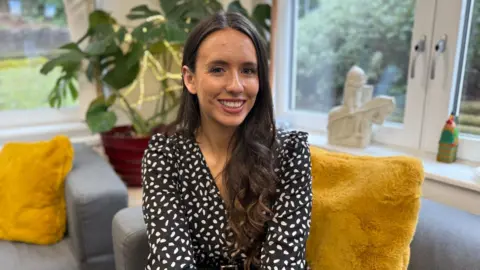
(30, 31)
(395, 43)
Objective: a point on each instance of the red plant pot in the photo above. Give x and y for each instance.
(125, 153)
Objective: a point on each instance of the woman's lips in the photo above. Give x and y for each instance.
(232, 106)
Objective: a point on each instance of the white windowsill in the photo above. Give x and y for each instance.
(77, 131)
(459, 174)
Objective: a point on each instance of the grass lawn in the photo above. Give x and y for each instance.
(23, 87)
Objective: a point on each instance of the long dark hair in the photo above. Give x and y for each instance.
(248, 176)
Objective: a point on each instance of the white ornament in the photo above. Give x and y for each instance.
(351, 123)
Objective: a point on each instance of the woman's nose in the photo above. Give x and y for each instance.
(235, 84)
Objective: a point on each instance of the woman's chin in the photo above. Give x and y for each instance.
(231, 121)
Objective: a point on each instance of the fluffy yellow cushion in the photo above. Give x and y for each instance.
(32, 177)
(365, 210)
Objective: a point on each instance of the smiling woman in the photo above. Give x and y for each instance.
(227, 87)
(227, 190)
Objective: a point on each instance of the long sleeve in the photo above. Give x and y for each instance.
(287, 233)
(170, 246)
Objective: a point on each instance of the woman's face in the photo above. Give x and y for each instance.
(225, 79)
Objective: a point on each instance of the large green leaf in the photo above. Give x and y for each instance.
(147, 32)
(142, 12)
(193, 10)
(73, 89)
(55, 98)
(105, 40)
(99, 118)
(151, 32)
(71, 46)
(236, 6)
(121, 33)
(99, 17)
(98, 47)
(103, 31)
(119, 74)
(214, 6)
(64, 85)
(173, 33)
(168, 7)
(261, 14)
(136, 54)
(90, 73)
(69, 61)
(101, 121)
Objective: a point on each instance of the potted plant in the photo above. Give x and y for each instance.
(115, 60)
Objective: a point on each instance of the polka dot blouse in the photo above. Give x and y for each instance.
(186, 218)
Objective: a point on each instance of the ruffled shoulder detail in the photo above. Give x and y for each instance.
(291, 138)
(161, 144)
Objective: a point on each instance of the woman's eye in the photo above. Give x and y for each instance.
(216, 70)
(249, 71)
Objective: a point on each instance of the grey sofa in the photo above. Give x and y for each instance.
(94, 194)
(445, 239)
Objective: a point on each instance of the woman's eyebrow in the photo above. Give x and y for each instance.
(250, 63)
(225, 63)
(218, 62)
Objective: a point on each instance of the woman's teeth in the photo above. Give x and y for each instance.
(231, 104)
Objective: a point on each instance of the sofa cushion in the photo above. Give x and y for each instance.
(22, 256)
(32, 177)
(130, 239)
(365, 210)
(445, 239)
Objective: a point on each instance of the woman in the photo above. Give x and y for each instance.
(227, 190)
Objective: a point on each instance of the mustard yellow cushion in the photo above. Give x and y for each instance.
(365, 210)
(32, 177)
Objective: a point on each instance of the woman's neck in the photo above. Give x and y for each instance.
(215, 138)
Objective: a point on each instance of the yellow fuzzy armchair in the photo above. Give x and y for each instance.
(365, 211)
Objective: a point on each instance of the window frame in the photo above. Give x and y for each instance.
(419, 131)
(441, 94)
(21, 119)
(406, 134)
(44, 116)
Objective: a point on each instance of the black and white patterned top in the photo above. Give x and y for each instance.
(186, 216)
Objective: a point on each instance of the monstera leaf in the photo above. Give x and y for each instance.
(188, 13)
(152, 32)
(98, 17)
(260, 16)
(121, 70)
(99, 118)
(105, 40)
(142, 12)
(236, 6)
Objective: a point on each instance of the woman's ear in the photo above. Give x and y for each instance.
(189, 80)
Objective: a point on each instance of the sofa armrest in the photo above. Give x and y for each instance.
(94, 194)
(130, 239)
(445, 239)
